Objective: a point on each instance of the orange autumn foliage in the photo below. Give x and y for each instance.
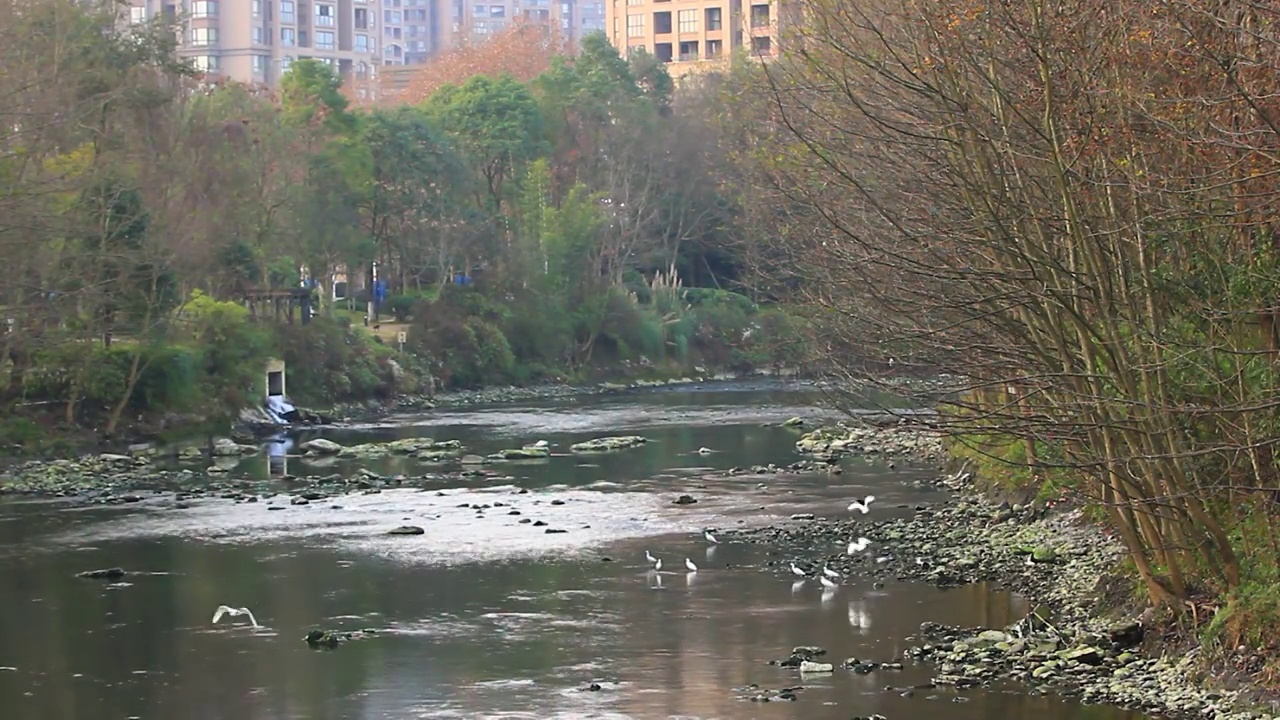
(523, 50)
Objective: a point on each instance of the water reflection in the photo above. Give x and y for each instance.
(467, 629)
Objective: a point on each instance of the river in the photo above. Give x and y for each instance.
(485, 615)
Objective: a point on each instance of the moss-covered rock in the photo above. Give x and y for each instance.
(607, 444)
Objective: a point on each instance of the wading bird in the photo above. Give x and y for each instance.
(689, 564)
(857, 546)
(233, 612)
(864, 506)
(710, 538)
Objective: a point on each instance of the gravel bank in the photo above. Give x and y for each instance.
(1053, 557)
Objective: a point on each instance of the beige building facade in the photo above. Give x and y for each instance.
(693, 35)
(255, 41)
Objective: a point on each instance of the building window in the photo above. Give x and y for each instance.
(257, 34)
(137, 15)
(260, 64)
(362, 19)
(662, 22)
(303, 40)
(325, 40)
(395, 17)
(688, 21)
(759, 16)
(713, 19)
(286, 11)
(497, 11)
(201, 37)
(324, 16)
(635, 2)
(285, 63)
(362, 43)
(287, 37)
(762, 45)
(205, 63)
(715, 48)
(204, 8)
(688, 51)
(256, 6)
(635, 26)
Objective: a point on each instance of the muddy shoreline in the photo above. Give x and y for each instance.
(1081, 640)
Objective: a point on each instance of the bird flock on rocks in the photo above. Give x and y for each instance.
(829, 578)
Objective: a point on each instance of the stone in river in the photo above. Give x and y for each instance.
(407, 530)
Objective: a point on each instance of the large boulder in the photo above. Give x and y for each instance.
(321, 446)
(528, 452)
(606, 444)
(226, 447)
(407, 446)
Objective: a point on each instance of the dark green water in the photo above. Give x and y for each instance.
(482, 616)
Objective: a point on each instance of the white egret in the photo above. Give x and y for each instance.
(649, 556)
(233, 612)
(830, 573)
(689, 564)
(710, 538)
(657, 564)
(864, 506)
(857, 546)
(797, 571)
(705, 451)
(828, 583)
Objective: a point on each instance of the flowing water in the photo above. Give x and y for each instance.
(484, 615)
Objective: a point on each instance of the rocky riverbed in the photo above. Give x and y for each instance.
(1053, 556)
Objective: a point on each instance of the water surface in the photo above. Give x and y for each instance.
(484, 616)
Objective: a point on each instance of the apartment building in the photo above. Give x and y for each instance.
(255, 41)
(472, 21)
(410, 31)
(693, 35)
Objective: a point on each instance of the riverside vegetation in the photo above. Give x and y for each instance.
(1071, 206)
(938, 187)
(566, 226)
(1081, 638)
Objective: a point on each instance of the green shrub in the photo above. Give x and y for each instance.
(459, 337)
(98, 376)
(233, 349)
(329, 361)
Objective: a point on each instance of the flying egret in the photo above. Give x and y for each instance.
(233, 612)
(710, 538)
(649, 556)
(828, 583)
(830, 573)
(857, 546)
(797, 571)
(689, 564)
(864, 506)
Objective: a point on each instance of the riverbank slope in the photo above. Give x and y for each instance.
(1089, 634)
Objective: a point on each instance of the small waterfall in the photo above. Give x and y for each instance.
(279, 409)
